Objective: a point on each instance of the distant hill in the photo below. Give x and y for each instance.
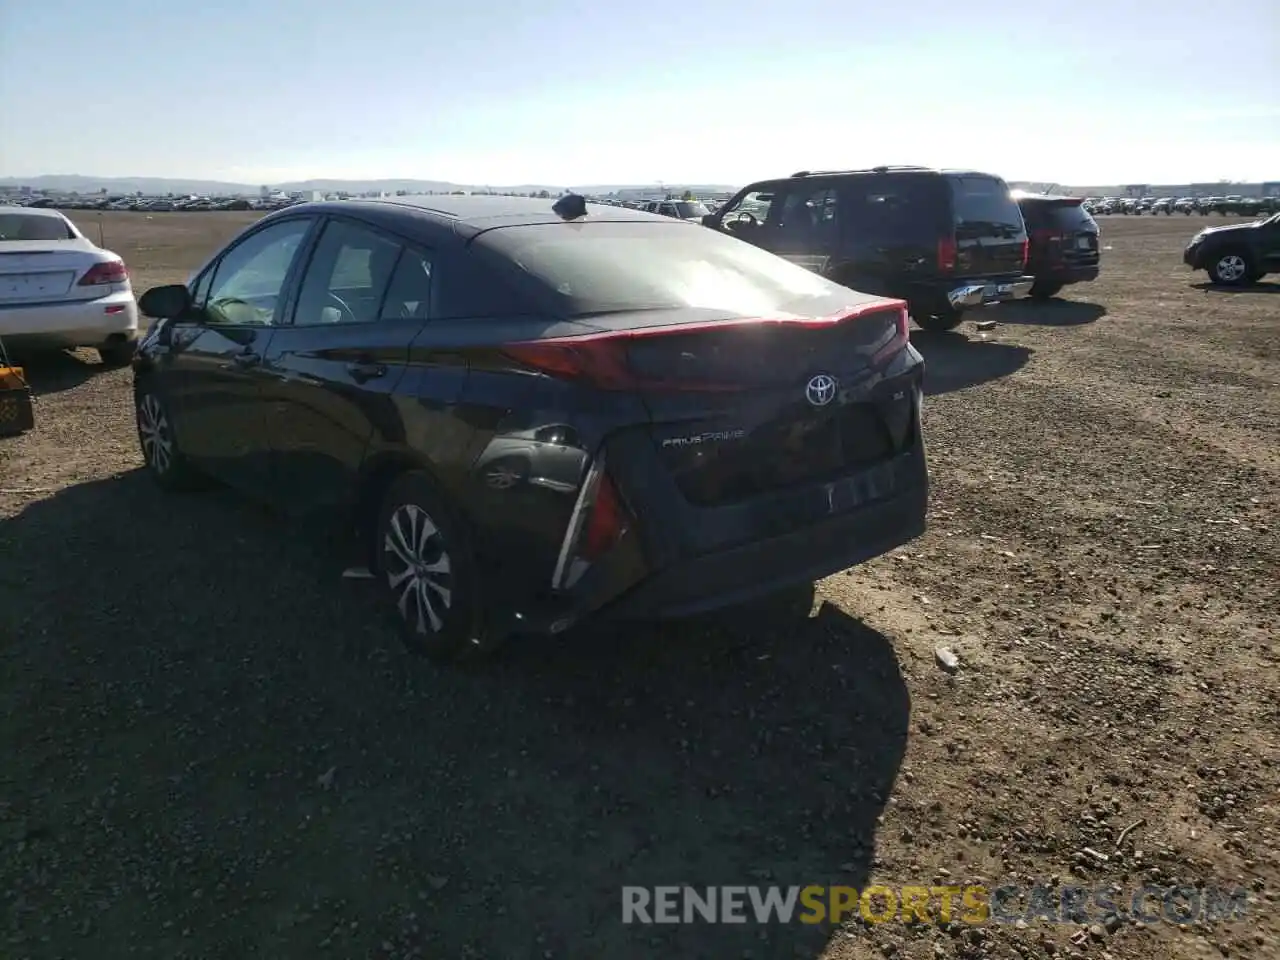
(152, 186)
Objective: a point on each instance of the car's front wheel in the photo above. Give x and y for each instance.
(164, 459)
(1231, 268)
(424, 560)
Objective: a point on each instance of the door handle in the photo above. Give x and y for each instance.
(366, 370)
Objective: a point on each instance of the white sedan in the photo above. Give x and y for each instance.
(58, 289)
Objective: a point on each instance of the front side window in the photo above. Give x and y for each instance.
(249, 280)
(347, 276)
(752, 210)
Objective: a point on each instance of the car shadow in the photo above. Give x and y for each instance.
(52, 371)
(1054, 312)
(1262, 287)
(955, 360)
(206, 688)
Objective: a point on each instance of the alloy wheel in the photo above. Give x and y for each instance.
(1231, 267)
(154, 434)
(418, 568)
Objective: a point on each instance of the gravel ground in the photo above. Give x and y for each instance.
(213, 748)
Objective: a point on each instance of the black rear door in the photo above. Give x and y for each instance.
(891, 225)
(990, 235)
(334, 369)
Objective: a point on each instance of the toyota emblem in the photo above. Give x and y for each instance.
(821, 390)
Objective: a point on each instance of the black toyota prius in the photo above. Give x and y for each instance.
(533, 412)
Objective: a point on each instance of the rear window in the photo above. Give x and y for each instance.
(893, 207)
(20, 226)
(612, 267)
(1042, 215)
(984, 203)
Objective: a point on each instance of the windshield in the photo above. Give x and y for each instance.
(690, 209)
(24, 226)
(614, 267)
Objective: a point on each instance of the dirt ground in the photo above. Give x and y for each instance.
(213, 749)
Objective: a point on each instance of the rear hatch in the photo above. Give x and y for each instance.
(1062, 233)
(745, 409)
(991, 238)
(756, 374)
(46, 271)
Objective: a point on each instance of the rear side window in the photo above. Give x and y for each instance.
(984, 203)
(894, 207)
(613, 267)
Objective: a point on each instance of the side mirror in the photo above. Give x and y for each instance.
(709, 220)
(170, 302)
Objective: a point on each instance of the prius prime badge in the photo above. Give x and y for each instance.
(821, 390)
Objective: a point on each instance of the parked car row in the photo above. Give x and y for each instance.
(156, 204)
(1225, 206)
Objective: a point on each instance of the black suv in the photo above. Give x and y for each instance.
(1236, 255)
(1064, 242)
(534, 412)
(943, 240)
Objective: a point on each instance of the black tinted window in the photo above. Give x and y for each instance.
(409, 295)
(610, 267)
(26, 226)
(347, 276)
(1048, 215)
(983, 202)
(902, 207)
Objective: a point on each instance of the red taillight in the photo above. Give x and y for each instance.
(601, 360)
(946, 254)
(112, 271)
(901, 337)
(607, 522)
(1026, 250)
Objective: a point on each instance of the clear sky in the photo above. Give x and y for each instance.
(612, 92)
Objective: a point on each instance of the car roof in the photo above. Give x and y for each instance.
(1048, 198)
(438, 215)
(881, 171)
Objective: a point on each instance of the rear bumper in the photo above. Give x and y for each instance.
(87, 323)
(979, 293)
(756, 569)
(889, 509)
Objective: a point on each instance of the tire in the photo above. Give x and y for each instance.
(939, 321)
(165, 461)
(118, 354)
(424, 561)
(1231, 268)
(1045, 290)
